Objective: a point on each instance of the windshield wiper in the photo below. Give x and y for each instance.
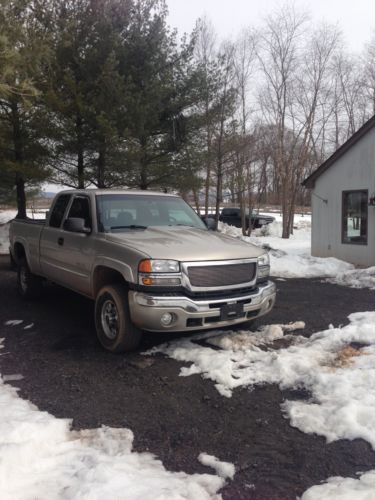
(131, 226)
(186, 225)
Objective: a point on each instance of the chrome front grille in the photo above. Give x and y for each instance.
(221, 274)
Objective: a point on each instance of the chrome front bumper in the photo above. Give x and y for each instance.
(189, 315)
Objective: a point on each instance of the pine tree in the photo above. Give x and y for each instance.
(22, 152)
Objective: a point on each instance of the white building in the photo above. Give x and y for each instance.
(343, 201)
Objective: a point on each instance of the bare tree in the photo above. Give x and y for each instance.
(205, 53)
(280, 59)
(244, 68)
(226, 95)
(368, 78)
(295, 63)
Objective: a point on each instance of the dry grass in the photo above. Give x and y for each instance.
(345, 357)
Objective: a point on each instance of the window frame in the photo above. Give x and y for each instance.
(58, 197)
(343, 219)
(74, 197)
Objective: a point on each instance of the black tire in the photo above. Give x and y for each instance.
(114, 327)
(12, 263)
(29, 286)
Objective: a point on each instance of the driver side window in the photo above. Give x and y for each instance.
(81, 208)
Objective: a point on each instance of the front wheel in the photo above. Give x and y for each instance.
(29, 286)
(114, 328)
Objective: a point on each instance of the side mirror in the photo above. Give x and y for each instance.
(76, 225)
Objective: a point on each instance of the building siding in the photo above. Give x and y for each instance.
(354, 170)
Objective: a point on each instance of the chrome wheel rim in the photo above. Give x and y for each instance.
(110, 319)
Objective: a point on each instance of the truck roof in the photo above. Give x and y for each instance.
(116, 191)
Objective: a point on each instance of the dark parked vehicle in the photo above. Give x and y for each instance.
(232, 216)
(209, 220)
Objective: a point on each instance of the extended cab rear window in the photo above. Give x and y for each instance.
(59, 210)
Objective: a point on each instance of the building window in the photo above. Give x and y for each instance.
(354, 217)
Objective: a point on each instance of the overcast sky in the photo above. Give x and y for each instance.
(356, 18)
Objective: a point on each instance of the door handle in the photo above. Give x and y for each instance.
(60, 241)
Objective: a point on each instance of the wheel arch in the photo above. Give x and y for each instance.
(19, 251)
(104, 275)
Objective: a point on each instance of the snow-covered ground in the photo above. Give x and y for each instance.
(5, 217)
(41, 457)
(335, 366)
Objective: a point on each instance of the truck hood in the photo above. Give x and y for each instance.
(185, 244)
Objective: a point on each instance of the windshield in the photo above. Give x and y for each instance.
(121, 212)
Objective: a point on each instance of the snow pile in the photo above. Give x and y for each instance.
(40, 457)
(222, 469)
(335, 366)
(356, 278)
(239, 341)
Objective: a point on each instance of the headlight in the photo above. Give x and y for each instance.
(264, 260)
(263, 267)
(159, 266)
(155, 272)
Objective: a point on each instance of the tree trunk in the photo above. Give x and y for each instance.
(196, 200)
(219, 189)
(80, 161)
(143, 176)
(208, 175)
(101, 165)
(284, 206)
(21, 197)
(18, 156)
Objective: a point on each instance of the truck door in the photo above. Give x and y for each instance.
(75, 250)
(49, 250)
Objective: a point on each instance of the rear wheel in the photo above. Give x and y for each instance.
(29, 286)
(114, 328)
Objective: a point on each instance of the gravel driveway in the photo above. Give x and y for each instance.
(67, 374)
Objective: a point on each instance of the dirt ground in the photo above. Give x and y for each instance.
(176, 418)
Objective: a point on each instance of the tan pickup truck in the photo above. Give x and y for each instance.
(147, 260)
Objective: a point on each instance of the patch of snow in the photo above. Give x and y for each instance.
(5, 217)
(13, 378)
(222, 469)
(27, 327)
(335, 366)
(340, 378)
(356, 278)
(339, 488)
(4, 239)
(243, 340)
(41, 457)
(13, 322)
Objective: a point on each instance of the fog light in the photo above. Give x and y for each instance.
(166, 319)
